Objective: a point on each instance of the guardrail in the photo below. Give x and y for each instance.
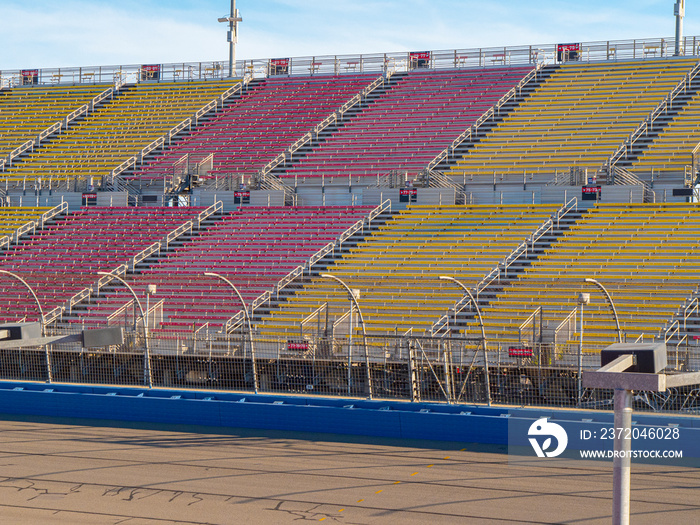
(78, 297)
(19, 150)
(105, 280)
(386, 205)
(177, 232)
(53, 315)
(529, 331)
(287, 279)
(320, 254)
(614, 50)
(211, 210)
(565, 331)
(352, 230)
(5, 242)
(114, 318)
(238, 319)
(56, 210)
(144, 254)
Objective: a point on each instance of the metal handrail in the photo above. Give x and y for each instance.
(284, 281)
(53, 315)
(320, 254)
(365, 63)
(352, 230)
(19, 150)
(530, 320)
(566, 321)
(144, 254)
(177, 232)
(119, 311)
(211, 210)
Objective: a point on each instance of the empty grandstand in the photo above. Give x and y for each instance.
(518, 172)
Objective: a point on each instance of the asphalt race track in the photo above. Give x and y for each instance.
(55, 472)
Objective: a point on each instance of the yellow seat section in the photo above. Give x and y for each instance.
(671, 150)
(27, 111)
(576, 118)
(646, 256)
(12, 218)
(117, 131)
(396, 268)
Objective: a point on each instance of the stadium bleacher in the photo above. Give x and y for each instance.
(397, 268)
(576, 118)
(671, 150)
(117, 131)
(62, 258)
(253, 247)
(410, 124)
(644, 254)
(575, 114)
(270, 116)
(27, 111)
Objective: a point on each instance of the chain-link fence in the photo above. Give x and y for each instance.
(411, 368)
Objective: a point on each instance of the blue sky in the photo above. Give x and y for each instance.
(61, 33)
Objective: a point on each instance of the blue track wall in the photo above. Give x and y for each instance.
(391, 419)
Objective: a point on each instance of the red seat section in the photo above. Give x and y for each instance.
(252, 247)
(64, 257)
(410, 124)
(269, 117)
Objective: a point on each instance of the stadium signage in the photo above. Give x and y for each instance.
(150, 72)
(279, 66)
(30, 77)
(419, 59)
(566, 52)
(408, 195)
(241, 197)
(298, 346)
(590, 193)
(89, 199)
(518, 351)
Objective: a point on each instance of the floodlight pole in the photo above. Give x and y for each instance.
(233, 18)
(247, 318)
(483, 331)
(362, 321)
(610, 303)
(147, 375)
(41, 318)
(679, 11)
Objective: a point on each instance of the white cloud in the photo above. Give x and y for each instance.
(46, 33)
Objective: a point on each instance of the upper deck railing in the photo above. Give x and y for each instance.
(648, 48)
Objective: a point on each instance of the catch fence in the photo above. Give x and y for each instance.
(409, 367)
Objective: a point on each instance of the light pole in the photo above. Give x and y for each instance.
(41, 318)
(247, 318)
(483, 331)
(583, 298)
(233, 18)
(612, 305)
(362, 321)
(147, 376)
